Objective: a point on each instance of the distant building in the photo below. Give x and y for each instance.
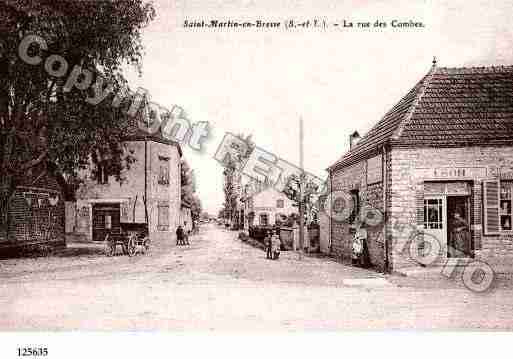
(150, 192)
(266, 207)
(444, 148)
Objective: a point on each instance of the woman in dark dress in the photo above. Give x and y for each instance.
(460, 234)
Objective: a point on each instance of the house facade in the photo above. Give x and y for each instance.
(266, 207)
(439, 163)
(150, 192)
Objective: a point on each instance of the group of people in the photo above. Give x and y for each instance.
(182, 236)
(273, 244)
(360, 251)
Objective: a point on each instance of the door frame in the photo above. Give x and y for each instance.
(468, 219)
(443, 232)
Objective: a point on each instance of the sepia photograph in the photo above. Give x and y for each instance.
(265, 168)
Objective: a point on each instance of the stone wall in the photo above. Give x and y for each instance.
(36, 212)
(410, 168)
(349, 179)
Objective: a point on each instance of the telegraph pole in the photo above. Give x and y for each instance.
(301, 191)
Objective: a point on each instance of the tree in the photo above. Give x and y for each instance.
(232, 186)
(292, 189)
(42, 120)
(195, 209)
(188, 185)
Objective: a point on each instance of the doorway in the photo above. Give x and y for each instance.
(459, 241)
(106, 219)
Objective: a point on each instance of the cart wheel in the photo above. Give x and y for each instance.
(131, 246)
(110, 246)
(146, 245)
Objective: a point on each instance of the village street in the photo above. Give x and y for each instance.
(220, 283)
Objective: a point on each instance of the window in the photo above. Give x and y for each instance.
(108, 222)
(102, 175)
(264, 219)
(163, 217)
(280, 203)
(163, 177)
(433, 213)
(497, 206)
(505, 206)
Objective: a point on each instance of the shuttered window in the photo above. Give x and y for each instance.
(163, 216)
(491, 207)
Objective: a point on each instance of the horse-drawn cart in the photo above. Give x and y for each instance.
(132, 238)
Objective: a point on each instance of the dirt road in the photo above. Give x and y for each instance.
(219, 283)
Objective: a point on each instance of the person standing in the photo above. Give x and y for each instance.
(179, 236)
(275, 244)
(360, 250)
(268, 244)
(460, 237)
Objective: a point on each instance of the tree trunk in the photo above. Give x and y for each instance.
(7, 187)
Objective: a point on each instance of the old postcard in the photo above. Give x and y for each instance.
(253, 167)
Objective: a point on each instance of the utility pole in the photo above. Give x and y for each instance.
(301, 191)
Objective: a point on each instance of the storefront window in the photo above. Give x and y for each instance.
(505, 206)
(433, 213)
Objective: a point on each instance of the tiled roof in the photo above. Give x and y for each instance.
(448, 107)
(137, 134)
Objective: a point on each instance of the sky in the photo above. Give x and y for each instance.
(261, 81)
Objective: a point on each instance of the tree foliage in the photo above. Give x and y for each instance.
(292, 191)
(232, 186)
(42, 122)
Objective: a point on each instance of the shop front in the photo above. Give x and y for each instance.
(448, 217)
(464, 201)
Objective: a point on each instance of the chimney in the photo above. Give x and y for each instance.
(353, 139)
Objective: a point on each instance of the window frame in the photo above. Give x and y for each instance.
(162, 226)
(102, 175)
(280, 203)
(508, 183)
(438, 207)
(164, 171)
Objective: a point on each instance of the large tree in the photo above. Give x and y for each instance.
(232, 178)
(42, 120)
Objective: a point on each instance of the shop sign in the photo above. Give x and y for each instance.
(442, 173)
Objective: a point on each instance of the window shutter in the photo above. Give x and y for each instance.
(491, 207)
(419, 199)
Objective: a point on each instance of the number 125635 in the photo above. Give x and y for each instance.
(32, 352)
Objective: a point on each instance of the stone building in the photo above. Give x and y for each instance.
(149, 193)
(445, 150)
(35, 214)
